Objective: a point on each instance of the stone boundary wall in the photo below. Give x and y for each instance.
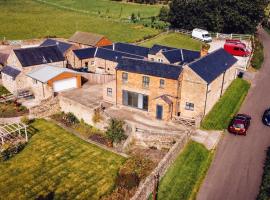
(46, 108)
(146, 187)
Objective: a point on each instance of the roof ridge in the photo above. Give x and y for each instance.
(121, 52)
(202, 58)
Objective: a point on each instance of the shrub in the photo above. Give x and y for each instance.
(97, 117)
(163, 13)
(115, 131)
(258, 56)
(25, 120)
(3, 90)
(10, 150)
(127, 181)
(264, 193)
(70, 119)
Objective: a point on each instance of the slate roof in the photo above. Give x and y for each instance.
(45, 73)
(131, 48)
(13, 72)
(214, 64)
(156, 48)
(114, 56)
(38, 55)
(181, 55)
(63, 46)
(150, 68)
(85, 53)
(85, 38)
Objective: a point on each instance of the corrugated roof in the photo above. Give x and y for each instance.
(114, 56)
(85, 53)
(131, 48)
(181, 55)
(150, 68)
(45, 73)
(156, 48)
(63, 46)
(85, 38)
(13, 72)
(38, 55)
(214, 64)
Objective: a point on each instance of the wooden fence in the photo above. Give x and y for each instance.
(98, 78)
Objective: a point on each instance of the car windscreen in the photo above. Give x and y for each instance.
(206, 35)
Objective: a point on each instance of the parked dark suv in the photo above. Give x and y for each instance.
(266, 117)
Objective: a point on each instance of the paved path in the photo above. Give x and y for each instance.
(236, 171)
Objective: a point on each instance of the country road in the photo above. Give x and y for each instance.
(236, 171)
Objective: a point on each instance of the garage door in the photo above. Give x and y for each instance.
(65, 84)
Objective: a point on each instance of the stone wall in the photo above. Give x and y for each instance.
(146, 187)
(47, 107)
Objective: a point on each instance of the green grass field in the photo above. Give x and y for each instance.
(56, 161)
(174, 40)
(184, 177)
(25, 19)
(108, 8)
(229, 104)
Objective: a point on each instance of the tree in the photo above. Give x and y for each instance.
(228, 16)
(115, 131)
(163, 13)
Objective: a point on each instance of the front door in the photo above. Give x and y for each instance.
(159, 112)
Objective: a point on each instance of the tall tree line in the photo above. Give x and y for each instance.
(228, 16)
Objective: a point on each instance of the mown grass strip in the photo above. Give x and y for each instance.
(184, 177)
(228, 105)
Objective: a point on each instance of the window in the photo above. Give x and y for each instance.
(135, 100)
(161, 83)
(146, 81)
(160, 60)
(92, 62)
(189, 106)
(152, 59)
(86, 64)
(109, 92)
(124, 77)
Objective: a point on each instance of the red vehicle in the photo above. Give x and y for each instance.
(239, 124)
(236, 48)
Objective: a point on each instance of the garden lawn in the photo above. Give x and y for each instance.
(56, 161)
(3, 90)
(108, 8)
(176, 40)
(31, 19)
(228, 105)
(184, 177)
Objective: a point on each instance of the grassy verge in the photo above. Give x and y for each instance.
(176, 40)
(264, 193)
(184, 177)
(258, 55)
(3, 90)
(30, 19)
(56, 162)
(228, 105)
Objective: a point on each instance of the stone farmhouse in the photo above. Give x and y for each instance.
(167, 91)
(19, 75)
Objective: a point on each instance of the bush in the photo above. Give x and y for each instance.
(25, 120)
(115, 131)
(3, 90)
(258, 56)
(70, 119)
(10, 150)
(97, 117)
(127, 181)
(163, 13)
(264, 193)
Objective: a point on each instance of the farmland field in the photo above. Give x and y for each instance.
(57, 162)
(25, 19)
(176, 40)
(108, 8)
